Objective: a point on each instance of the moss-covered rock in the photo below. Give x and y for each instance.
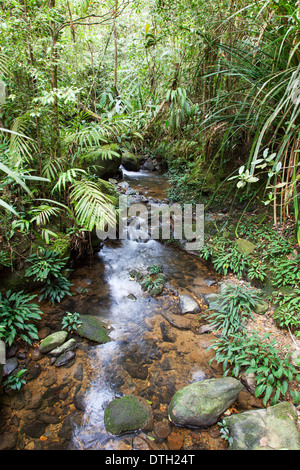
(53, 341)
(273, 428)
(93, 329)
(201, 403)
(126, 414)
(106, 159)
(130, 161)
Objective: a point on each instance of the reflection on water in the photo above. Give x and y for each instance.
(135, 321)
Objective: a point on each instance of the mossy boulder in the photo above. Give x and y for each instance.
(107, 159)
(128, 413)
(93, 329)
(273, 428)
(201, 403)
(53, 341)
(130, 161)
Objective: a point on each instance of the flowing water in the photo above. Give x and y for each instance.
(154, 350)
(138, 361)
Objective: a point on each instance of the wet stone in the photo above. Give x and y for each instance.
(10, 365)
(162, 430)
(65, 358)
(8, 440)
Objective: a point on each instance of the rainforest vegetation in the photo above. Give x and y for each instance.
(208, 89)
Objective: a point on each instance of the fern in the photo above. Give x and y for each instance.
(92, 207)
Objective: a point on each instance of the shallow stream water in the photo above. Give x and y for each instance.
(138, 361)
(154, 350)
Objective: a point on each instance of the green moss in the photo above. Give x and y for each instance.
(126, 414)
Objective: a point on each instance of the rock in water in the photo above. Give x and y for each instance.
(67, 346)
(93, 329)
(128, 413)
(188, 305)
(53, 341)
(201, 403)
(273, 428)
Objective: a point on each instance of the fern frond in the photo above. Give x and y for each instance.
(93, 208)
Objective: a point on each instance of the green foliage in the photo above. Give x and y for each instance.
(287, 312)
(148, 283)
(18, 316)
(55, 289)
(225, 256)
(252, 354)
(15, 381)
(286, 271)
(71, 321)
(224, 431)
(155, 269)
(234, 305)
(47, 266)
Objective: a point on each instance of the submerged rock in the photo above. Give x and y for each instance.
(201, 403)
(273, 428)
(64, 358)
(188, 305)
(67, 346)
(93, 329)
(128, 413)
(53, 341)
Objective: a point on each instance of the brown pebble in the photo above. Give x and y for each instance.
(175, 441)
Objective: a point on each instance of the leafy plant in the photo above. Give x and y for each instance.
(225, 256)
(148, 283)
(71, 321)
(18, 316)
(286, 271)
(155, 269)
(45, 264)
(257, 270)
(15, 381)
(55, 289)
(252, 354)
(287, 313)
(224, 431)
(234, 306)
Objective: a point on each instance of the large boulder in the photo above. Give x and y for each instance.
(201, 403)
(53, 341)
(130, 161)
(93, 329)
(128, 413)
(107, 159)
(273, 428)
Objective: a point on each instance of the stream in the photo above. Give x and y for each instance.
(138, 361)
(154, 351)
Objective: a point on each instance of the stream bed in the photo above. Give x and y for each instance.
(154, 351)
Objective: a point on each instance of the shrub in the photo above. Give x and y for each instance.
(17, 317)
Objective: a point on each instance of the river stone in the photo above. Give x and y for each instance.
(10, 365)
(128, 413)
(67, 346)
(53, 341)
(93, 329)
(64, 358)
(188, 305)
(273, 428)
(201, 403)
